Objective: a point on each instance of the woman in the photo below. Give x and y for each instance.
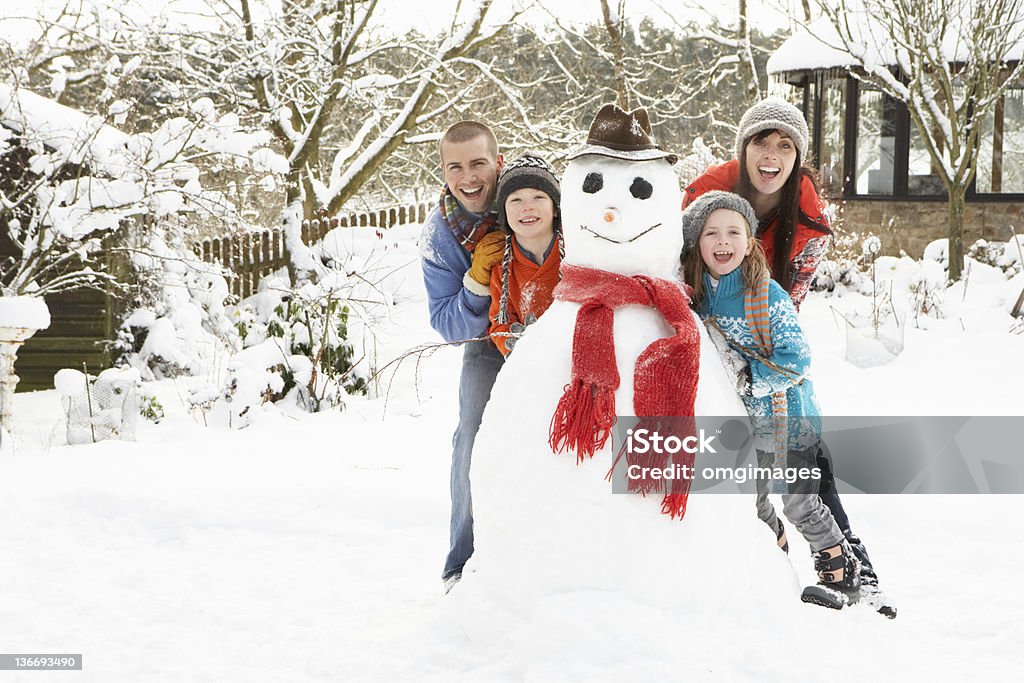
(770, 172)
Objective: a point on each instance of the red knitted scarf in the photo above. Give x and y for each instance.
(664, 379)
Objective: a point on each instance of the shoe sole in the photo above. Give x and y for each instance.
(823, 597)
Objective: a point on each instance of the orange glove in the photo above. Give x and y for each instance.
(486, 255)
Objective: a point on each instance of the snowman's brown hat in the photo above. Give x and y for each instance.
(620, 134)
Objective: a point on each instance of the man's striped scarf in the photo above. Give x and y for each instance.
(468, 228)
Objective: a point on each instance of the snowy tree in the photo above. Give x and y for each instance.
(356, 110)
(729, 54)
(71, 181)
(613, 25)
(338, 92)
(949, 61)
(683, 68)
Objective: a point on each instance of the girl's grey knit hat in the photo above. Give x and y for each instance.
(696, 214)
(773, 113)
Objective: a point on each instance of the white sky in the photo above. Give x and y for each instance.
(428, 15)
(579, 12)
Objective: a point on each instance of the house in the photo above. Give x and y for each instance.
(872, 159)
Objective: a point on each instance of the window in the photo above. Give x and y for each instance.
(795, 91)
(833, 131)
(876, 142)
(1001, 155)
(809, 109)
(923, 177)
(888, 156)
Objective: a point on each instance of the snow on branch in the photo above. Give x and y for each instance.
(940, 58)
(73, 182)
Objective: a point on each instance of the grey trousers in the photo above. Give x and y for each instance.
(802, 506)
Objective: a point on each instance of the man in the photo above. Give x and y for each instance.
(459, 247)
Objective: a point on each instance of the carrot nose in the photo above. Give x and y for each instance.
(611, 215)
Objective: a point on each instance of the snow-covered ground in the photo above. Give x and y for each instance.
(309, 547)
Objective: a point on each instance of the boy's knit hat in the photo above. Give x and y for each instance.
(773, 113)
(696, 214)
(529, 170)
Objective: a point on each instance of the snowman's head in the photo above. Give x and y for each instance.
(622, 216)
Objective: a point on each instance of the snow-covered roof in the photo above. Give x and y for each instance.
(810, 47)
(74, 135)
(818, 46)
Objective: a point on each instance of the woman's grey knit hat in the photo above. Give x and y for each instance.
(773, 113)
(696, 214)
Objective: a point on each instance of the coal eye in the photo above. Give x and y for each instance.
(641, 189)
(593, 183)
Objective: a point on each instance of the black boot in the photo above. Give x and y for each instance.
(838, 578)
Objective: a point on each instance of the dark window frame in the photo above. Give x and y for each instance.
(803, 80)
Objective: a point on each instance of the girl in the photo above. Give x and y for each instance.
(734, 295)
(770, 172)
(521, 287)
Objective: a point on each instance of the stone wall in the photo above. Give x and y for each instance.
(910, 225)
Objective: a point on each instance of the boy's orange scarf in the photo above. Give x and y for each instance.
(664, 379)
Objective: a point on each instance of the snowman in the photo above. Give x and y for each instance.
(619, 339)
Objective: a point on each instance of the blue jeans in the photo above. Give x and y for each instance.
(481, 362)
(830, 497)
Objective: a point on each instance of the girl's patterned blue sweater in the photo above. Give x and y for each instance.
(790, 350)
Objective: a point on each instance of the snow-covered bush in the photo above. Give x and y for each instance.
(1003, 255)
(150, 407)
(313, 345)
(845, 267)
(296, 352)
(179, 325)
(691, 166)
(918, 290)
(938, 251)
(839, 275)
(927, 286)
(311, 323)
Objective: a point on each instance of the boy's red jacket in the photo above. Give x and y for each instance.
(812, 234)
(530, 290)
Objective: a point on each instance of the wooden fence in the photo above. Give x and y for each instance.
(84, 322)
(251, 256)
